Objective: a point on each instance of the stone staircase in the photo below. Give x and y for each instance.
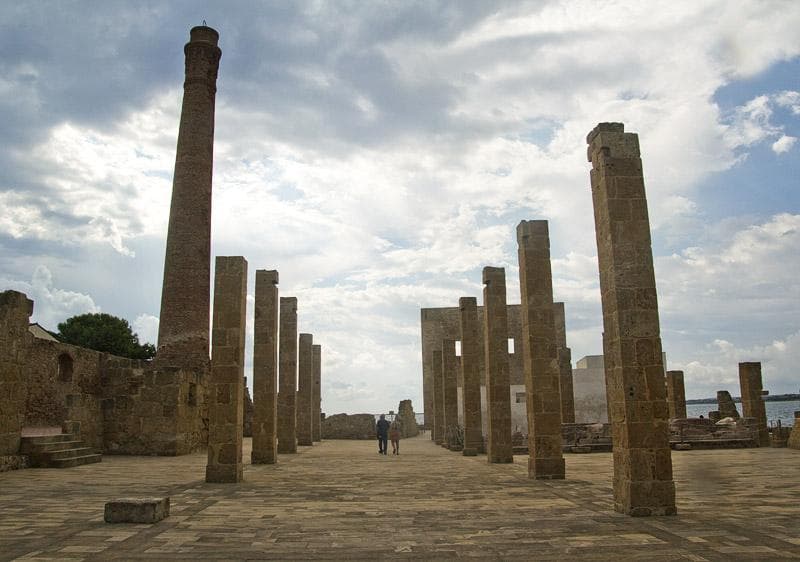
(57, 451)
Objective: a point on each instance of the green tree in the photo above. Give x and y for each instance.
(104, 332)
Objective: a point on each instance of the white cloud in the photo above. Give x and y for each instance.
(783, 144)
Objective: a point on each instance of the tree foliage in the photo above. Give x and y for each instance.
(104, 332)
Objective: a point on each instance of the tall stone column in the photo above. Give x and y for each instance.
(471, 376)
(450, 371)
(265, 369)
(498, 388)
(15, 312)
(564, 364)
(438, 397)
(305, 392)
(185, 294)
(676, 394)
(752, 399)
(287, 375)
(540, 352)
(316, 401)
(632, 344)
(226, 388)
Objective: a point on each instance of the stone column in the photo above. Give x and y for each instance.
(632, 344)
(676, 395)
(450, 371)
(15, 311)
(316, 400)
(498, 389)
(305, 392)
(752, 399)
(226, 388)
(185, 294)
(265, 369)
(287, 374)
(471, 376)
(438, 397)
(564, 364)
(540, 352)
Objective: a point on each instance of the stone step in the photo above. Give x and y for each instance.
(65, 453)
(75, 461)
(46, 440)
(39, 448)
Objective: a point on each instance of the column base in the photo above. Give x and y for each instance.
(470, 452)
(546, 469)
(225, 473)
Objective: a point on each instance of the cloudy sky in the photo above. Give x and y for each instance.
(379, 154)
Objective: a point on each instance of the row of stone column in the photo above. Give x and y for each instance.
(283, 415)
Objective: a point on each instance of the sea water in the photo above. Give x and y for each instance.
(782, 410)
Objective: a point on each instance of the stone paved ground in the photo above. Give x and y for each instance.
(341, 500)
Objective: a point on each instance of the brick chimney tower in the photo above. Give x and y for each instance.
(183, 331)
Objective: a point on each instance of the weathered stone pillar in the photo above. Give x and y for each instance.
(498, 389)
(564, 364)
(471, 376)
(540, 352)
(631, 343)
(226, 388)
(450, 370)
(305, 392)
(316, 400)
(753, 400)
(185, 294)
(265, 369)
(287, 374)
(676, 394)
(15, 311)
(438, 397)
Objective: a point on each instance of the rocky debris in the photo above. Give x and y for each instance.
(349, 426)
(727, 408)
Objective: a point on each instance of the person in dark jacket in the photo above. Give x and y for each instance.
(383, 435)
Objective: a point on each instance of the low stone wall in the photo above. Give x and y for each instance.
(349, 426)
(706, 433)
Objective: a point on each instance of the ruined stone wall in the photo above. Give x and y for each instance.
(63, 383)
(15, 310)
(438, 324)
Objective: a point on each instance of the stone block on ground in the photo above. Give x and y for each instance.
(349, 426)
(136, 510)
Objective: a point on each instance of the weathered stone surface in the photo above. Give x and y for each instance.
(407, 419)
(226, 388)
(439, 324)
(498, 398)
(753, 400)
(438, 433)
(305, 392)
(247, 421)
(471, 375)
(316, 399)
(15, 310)
(287, 360)
(136, 510)
(349, 426)
(540, 352)
(636, 393)
(794, 437)
(265, 368)
(450, 374)
(185, 296)
(676, 394)
(726, 406)
(564, 364)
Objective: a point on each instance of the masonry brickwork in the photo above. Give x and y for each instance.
(471, 353)
(450, 368)
(226, 385)
(305, 390)
(495, 334)
(265, 369)
(753, 406)
(634, 366)
(185, 297)
(564, 365)
(316, 399)
(287, 373)
(438, 430)
(676, 394)
(540, 352)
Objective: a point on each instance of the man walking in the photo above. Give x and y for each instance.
(383, 435)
